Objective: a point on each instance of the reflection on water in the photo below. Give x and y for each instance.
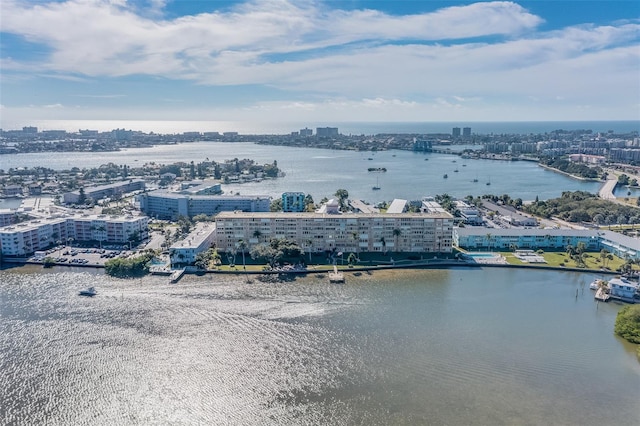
(320, 172)
(417, 347)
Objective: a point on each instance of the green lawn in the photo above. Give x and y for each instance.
(592, 260)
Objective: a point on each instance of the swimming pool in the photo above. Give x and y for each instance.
(481, 255)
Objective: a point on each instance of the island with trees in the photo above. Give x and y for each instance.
(628, 324)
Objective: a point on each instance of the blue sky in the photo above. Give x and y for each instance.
(277, 60)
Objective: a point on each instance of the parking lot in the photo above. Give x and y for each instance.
(78, 256)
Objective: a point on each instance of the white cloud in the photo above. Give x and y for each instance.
(101, 96)
(107, 38)
(362, 61)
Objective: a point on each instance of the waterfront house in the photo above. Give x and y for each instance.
(623, 288)
(12, 190)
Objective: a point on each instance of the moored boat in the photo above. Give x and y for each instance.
(89, 292)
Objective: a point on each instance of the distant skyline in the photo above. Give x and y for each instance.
(319, 61)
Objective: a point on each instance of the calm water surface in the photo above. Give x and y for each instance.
(321, 172)
(486, 347)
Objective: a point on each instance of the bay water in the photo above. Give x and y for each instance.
(458, 347)
(321, 172)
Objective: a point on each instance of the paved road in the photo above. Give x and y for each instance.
(606, 192)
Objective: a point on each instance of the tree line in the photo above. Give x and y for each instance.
(581, 206)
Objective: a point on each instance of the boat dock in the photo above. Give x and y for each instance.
(602, 295)
(335, 276)
(176, 275)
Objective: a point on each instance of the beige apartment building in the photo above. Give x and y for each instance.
(348, 232)
(28, 237)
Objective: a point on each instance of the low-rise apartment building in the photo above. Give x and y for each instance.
(348, 232)
(104, 191)
(199, 240)
(500, 239)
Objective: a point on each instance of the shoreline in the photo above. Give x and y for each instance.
(553, 169)
(322, 269)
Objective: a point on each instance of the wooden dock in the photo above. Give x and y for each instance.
(335, 276)
(601, 295)
(176, 275)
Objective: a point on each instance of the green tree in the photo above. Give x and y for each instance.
(384, 245)
(356, 239)
(603, 257)
(309, 205)
(628, 323)
(342, 195)
(266, 251)
(396, 235)
(242, 246)
(276, 205)
(82, 197)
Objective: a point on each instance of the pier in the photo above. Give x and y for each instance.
(176, 275)
(335, 276)
(602, 295)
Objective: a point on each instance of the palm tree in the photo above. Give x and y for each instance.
(356, 238)
(242, 246)
(257, 234)
(309, 244)
(396, 233)
(384, 245)
(101, 228)
(603, 257)
(489, 237)
(342, 195)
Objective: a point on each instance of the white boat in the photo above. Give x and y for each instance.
(376, 186)
(596, 284)
(89, 292)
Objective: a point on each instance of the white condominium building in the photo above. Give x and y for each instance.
(27, 237)
(198, 240)
(169, 205)
(349, 232)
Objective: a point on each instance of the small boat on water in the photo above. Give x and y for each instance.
(376, 186)
(89, 292)
(596, 284)
(445, 176)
